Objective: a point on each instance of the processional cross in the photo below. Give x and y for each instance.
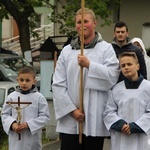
(81, 70)
(18, 109)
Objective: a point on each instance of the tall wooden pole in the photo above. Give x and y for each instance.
(81, 71)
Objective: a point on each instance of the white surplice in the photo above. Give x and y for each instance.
(36, 115)
(101, 76)
(131, 105)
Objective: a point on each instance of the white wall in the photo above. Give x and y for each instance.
(7, 28)
(146, 36)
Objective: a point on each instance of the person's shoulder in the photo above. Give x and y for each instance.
(14, 93)
(67, 47)
(146, 83)
(118, 89)
(104, 43)
(118, 85)
(131, 47)
(65, 50)
(115, 46)
(39, 95)
(134, 47)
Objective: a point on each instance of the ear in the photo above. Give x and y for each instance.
(95, 23)
(128, 34)
(138, 67)
(114, 35)
(34, 81)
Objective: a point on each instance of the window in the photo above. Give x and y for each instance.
(116, 13)
(2, 96)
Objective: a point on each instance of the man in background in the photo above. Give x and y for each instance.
(121, 43)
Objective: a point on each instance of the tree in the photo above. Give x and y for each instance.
(65, 18)
(22, 11)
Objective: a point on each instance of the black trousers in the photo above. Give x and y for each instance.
(71, 142)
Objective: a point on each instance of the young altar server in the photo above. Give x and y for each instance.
(127, 113)
(32, 117)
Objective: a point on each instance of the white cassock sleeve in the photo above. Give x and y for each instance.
(36, 124)
(144, 121)
(62, 101)
(110, 113)
(7, 118)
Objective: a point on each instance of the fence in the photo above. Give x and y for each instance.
(44, 32)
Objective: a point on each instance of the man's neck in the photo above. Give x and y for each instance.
(120, 44)
(89, 39)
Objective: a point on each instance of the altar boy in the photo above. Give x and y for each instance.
(127, 113)
(32, 117)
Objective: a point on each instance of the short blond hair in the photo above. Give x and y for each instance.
(86, 11)
(129, 54)
(26, 70)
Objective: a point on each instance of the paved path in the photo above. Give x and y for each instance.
(55, 145)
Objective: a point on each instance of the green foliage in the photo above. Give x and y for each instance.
(3, 138)
(44, 138)
(21, 9)
(3, 11)
(66, 18)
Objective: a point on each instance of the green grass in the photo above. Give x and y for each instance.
(4, 142)
(44, 138)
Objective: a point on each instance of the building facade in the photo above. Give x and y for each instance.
(134, 12)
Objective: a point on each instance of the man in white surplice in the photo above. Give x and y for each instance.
(100, 73)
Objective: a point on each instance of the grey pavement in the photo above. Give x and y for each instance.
(55, 145)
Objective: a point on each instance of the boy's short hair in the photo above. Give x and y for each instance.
(129, 54)
(27, 69)
(86, 11)
(120, 24)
